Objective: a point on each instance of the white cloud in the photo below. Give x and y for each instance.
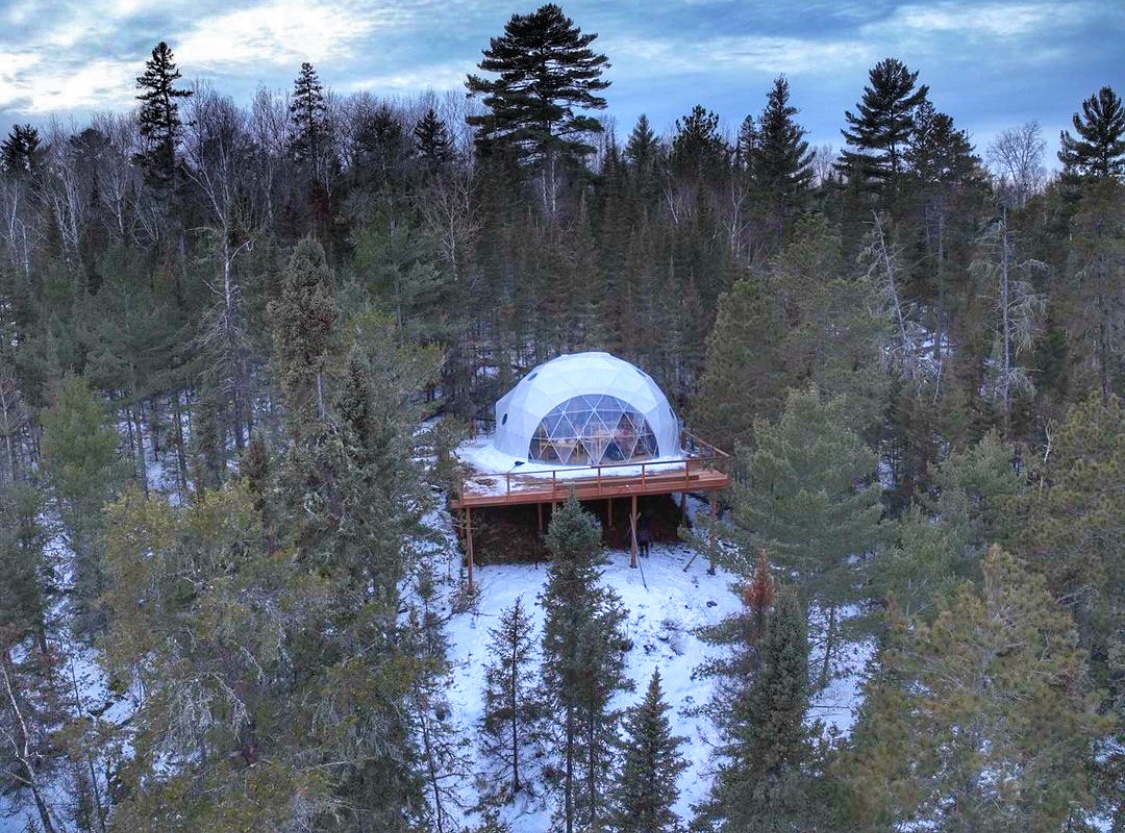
(99, 83)
(735, 53)
(280, 32)
(436, 77)
(979, 21)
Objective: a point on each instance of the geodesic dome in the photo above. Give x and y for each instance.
(585, 409)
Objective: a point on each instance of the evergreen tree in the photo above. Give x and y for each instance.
(645, 789)
(304, 319)
(782, 161)
(1071, 531)
(698, 150)
(879, 132)
(939, 153)
(160, 122)
(643, 147)
(79, 448)
(802, 502)
(1099, 150)
(308, 112)
(1093, 302)
(21, 563)
(983, 722)
(583, 663)
(432, 143)
(546, 70)
(761, 786)
(19, 153)
(511, 711)
(744, 376)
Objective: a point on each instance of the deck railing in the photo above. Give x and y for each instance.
(604, 477)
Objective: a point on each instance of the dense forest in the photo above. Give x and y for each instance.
(239, 340)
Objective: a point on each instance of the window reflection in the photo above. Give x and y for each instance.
(593, 429)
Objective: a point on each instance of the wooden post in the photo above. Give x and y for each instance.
(633, 536)
(714, 525)
(683, 505)
(609, 512)
(539, 507)
(469, 544)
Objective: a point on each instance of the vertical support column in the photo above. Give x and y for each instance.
(539, 511)
(633, 534)
(683, 505)
(469, 545)
(714, 529)
(609, 512)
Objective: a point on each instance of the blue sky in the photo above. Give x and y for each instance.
(989, 64)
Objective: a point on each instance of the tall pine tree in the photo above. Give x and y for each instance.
(583, 664)
(646, 790)
(1099, 150)
(160, 122)
(546, 71)
(879, 131)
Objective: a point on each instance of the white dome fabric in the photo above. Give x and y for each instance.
(603, 388)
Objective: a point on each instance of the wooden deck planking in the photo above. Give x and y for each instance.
(528, 489)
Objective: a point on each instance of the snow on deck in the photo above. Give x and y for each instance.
(483, 456)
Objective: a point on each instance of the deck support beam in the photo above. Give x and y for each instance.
(469, 545)
(609, 512)
(539, 511)
(714, 532)
(633, 534)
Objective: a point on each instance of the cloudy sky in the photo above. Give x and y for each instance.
(991, 64)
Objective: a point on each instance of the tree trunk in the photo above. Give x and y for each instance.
(829, 644)
(21, 745)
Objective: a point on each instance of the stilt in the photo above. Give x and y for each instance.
(713, 533)
(633, 535)
(469, 544)
(683, 505)
(609, 512)
(539, 509)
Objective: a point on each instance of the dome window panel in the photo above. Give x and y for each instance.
(586, 409)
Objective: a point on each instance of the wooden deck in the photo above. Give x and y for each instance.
(703, 469)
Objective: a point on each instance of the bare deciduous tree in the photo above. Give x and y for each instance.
(1015, 159)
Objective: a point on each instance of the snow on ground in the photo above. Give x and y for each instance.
(83, 692)
(666, 604)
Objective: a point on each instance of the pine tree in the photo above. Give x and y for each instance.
(1093, 302)
(160, 122)
(645, 789)
(744, 376)
(546, 70)
(19, 153)
(432, 143)
(939, 153)
(583, 663)
(643, 146)
(1071, 531)
(760, 786)
(782, 161)
(698, 150)
(1099, 150)
(79, 447)
(511, 711)
(983, 721)
(304, 321)
(802, 503)
(880, 133)
(308, 112)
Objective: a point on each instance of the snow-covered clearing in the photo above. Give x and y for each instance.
(666, 604)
